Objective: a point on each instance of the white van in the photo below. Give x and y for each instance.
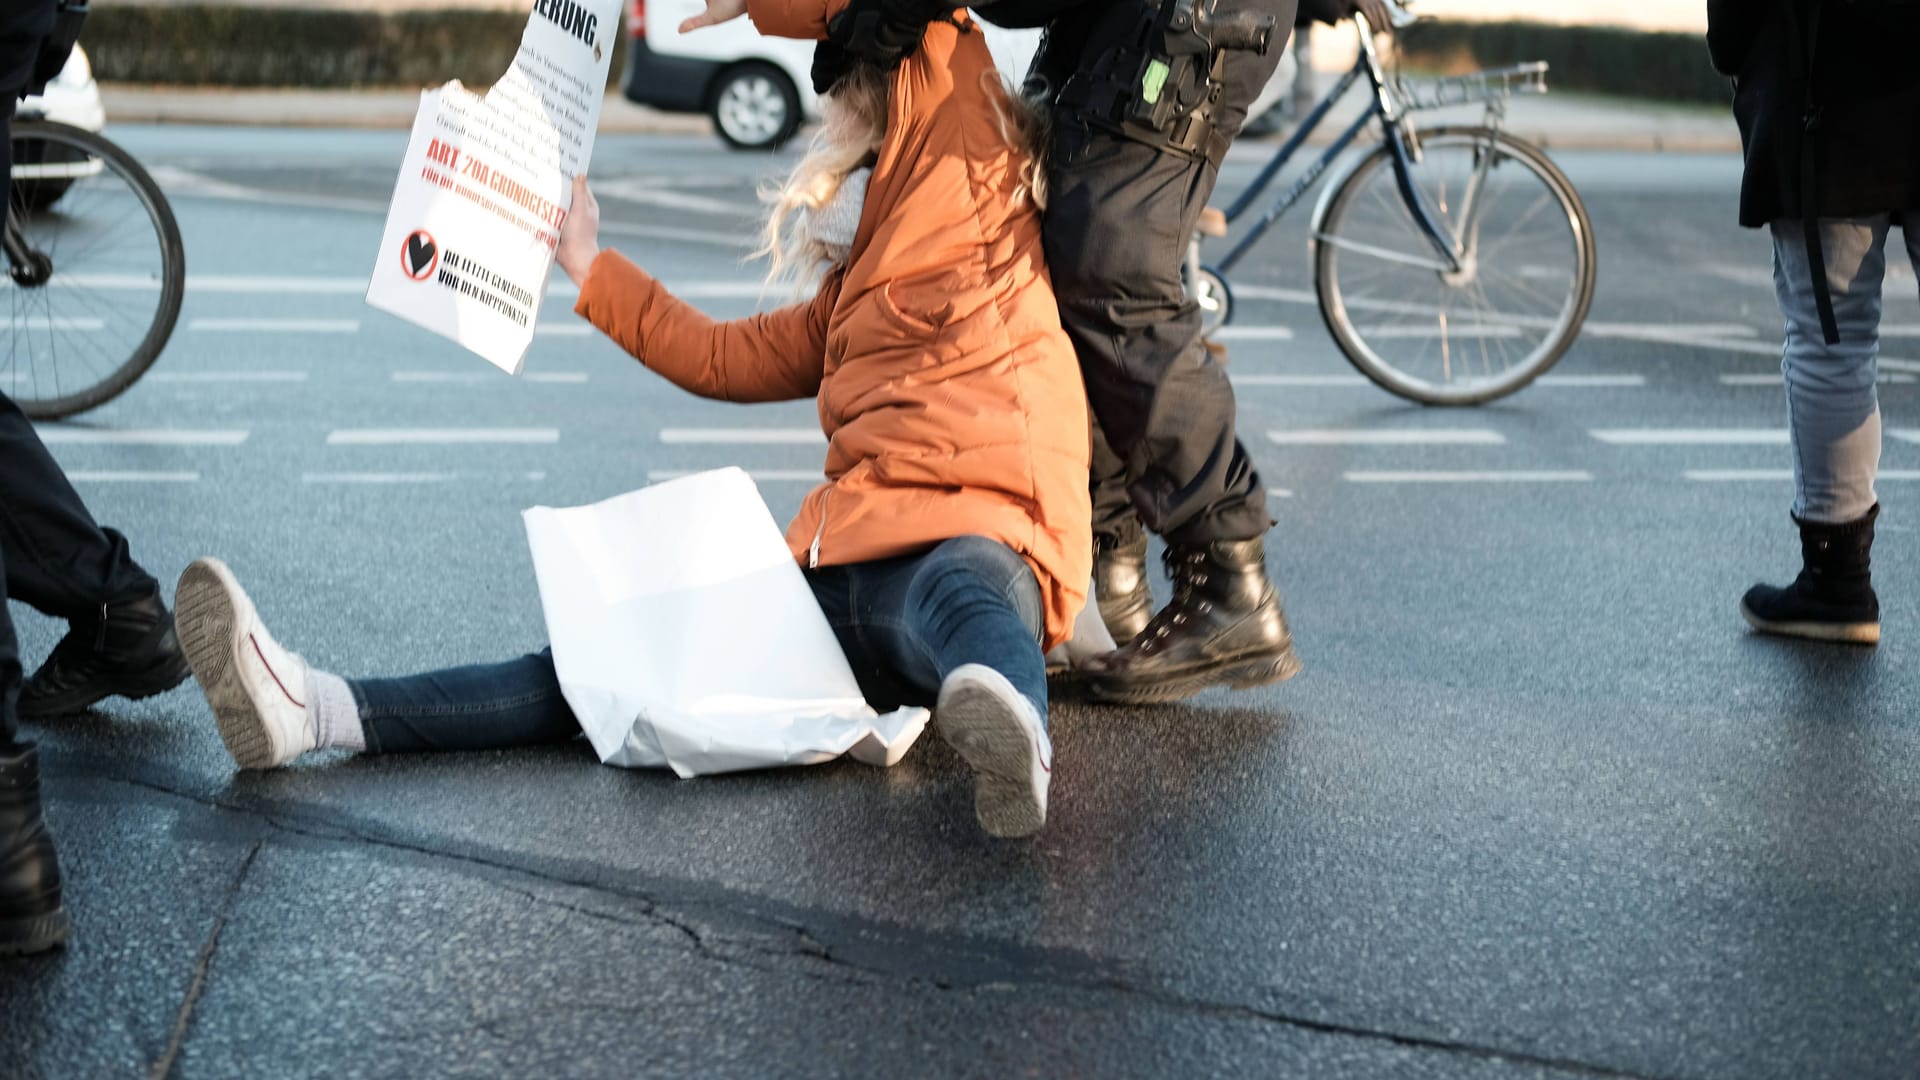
(757, 89)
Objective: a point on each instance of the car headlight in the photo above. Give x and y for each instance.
(78, 71)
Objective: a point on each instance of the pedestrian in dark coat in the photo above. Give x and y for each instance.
(56, 558)
(1827, 96)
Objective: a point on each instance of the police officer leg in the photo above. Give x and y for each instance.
(1117, 224)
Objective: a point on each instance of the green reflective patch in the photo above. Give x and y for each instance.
(1154, 80)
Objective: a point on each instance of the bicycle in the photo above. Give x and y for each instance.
(96, 270)
(1418, 230)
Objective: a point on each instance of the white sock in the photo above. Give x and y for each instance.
(336, 719)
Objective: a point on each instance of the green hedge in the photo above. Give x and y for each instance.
(217, 45)
(1598, 59)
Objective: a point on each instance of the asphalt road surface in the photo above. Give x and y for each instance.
(1540, 805)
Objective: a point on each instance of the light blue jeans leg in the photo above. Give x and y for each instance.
(1833, 409)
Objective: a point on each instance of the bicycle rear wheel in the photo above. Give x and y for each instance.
(93, 303)
(1467, 336)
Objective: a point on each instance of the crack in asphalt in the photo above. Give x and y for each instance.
(847, 966)
(183, 1021)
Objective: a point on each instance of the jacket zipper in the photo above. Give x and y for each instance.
(813, 550)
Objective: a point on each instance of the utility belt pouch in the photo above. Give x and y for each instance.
(1163, 89)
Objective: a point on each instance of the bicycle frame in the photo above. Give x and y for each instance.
(1449, 249)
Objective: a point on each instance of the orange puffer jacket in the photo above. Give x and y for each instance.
(949, 394)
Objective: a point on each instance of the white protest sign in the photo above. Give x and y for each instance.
(488, 179)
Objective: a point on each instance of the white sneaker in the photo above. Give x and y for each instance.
(258, 690)
(998, 731)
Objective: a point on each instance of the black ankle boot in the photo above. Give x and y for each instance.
(1120, 585)
(1224, 625)
(1832, 599)
(31, 919)
(128, 649)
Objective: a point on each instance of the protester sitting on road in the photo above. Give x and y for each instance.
(1828, 100)
(55, 557)
(951, 539)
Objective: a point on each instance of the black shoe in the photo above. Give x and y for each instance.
(1120, 585)
(31, 919)
(1223, 626)
(1833, 598)
(129, 650)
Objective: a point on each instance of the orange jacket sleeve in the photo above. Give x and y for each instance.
(803, 19)
(773, 356)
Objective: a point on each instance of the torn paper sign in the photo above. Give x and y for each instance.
(488, 179)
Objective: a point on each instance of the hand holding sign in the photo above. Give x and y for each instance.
(580, 234)
(718, 11)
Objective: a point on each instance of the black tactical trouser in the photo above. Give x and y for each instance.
(52, 553)
(1118, 219)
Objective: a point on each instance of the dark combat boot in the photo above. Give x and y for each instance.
(1120, 585)
(128, 649)
(1832, 599)
(31, 919)
(1224, 625)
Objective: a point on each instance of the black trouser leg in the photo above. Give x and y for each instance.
(58, 559)
(1117, 225)
(10, 670)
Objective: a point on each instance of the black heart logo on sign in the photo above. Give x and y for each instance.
(419, 254)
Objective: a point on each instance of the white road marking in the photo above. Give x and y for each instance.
(276, 326)
(224, 376)
(486, 376)
(1390, 437)
(803, 476)
(1910, 435)
(1589, 382)
(1299, 380)
(440, 436)
(1516, 476)
(109, 477)
(1253, 333)
(1280, 493)
(141, 436)
(564, 330)
(55, 322)
(1691, 436)
(406, 477)
(1734, 476)
(1775, 380)
(758, 436)
(1455, 332)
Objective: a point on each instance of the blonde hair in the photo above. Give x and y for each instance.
(853, 125)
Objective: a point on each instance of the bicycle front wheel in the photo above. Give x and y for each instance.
(97, 271)
(1440, 335)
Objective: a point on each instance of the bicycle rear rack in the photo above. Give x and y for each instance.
(1474, 88)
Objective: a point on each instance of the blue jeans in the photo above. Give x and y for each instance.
(1833, 408)
(904, 623)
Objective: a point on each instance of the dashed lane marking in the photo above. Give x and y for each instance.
(757, 436)
(387, 478)
(1691, 436)
(1484, 476)
(803, 476)
(486, 376)
(1736, 476)
(140, 436)
(1773, 379)
(275, 326)
(111, 477)
(224, 376)
(440, 436)
(1253, 333)
(1390, 437)
(53, 322)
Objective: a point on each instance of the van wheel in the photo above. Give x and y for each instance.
(754, 107)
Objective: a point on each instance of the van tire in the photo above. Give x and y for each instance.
(754, 106)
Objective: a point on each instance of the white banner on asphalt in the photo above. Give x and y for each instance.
(488, 179)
